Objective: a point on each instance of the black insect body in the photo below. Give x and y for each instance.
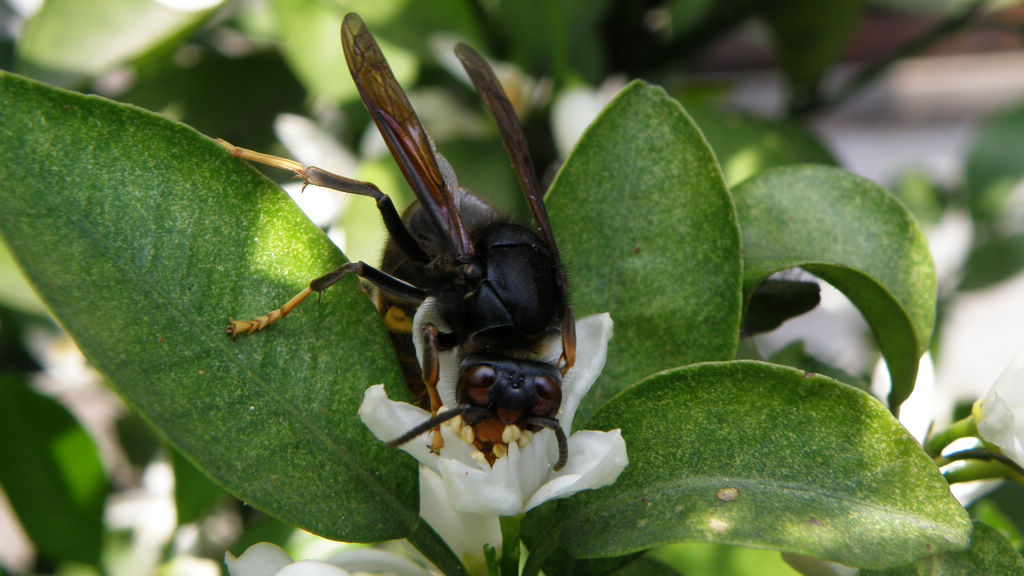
(492, 291)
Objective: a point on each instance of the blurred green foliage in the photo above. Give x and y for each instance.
(229, 69)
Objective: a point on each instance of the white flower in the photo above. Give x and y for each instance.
(1000, 414)
(524, 478)
(465, 533)
(266, 559)
(576, 108)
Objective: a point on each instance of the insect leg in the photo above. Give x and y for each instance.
(431, 366)
(431, 375)
(386, 282)
(320, 177)
(568, 340)
(260, 322)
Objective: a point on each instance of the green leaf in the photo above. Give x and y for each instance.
(648, 233)
(262, 528)
(15, 291)
(857, 237)
(194, 493)
(686, 15)
(310, 33)
(1000, 510)
(70, 39)
(644, 566)
(922, 195)
(137, 439)
(746, 145)
(235, 98)
(558, 561)
(795, 355)
(143, 237)
(809, 36)
(995, 166)
(558, 39)
(992, 262)
(758, 455)
(691, 558)
(776, 300)
(51, 472)
(990, 553)
(926, 7)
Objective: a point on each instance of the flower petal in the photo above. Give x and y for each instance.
(473, 490)
(1001, 419)
(525, 477)
(533, 464)
(374, 561)
(312, 568)
(456, 449)
(262, 559)
(388, 419)
(595, 459)
(448, 365)
(503, 488)
(465, 533)
(592, 336)
(366, 560)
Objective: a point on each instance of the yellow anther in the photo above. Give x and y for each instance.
(467, 435)
(510, 434)
(525, 438)
(479, 457)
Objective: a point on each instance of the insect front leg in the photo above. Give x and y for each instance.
(392, 221)
(568, 341)
(431, 366)
(431, 376)
(320, 177)
(385, 282)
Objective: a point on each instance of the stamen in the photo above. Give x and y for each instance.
(510, 434)
(479, 457)
(455, 424)
(466, 434)
(525, 438)
(499, 450)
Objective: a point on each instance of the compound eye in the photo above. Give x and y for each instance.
(549, 396)
(475, 385)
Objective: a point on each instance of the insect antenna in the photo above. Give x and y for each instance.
(434, 422)
(563, 444)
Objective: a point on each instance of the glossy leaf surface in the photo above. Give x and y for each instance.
(759, 455)
(648, 234)
(143, 237)
(990, 553)
(854, 235)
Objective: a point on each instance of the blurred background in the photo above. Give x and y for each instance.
(925, 97)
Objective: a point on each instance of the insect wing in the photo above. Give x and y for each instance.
(487, 85)
(408, 141)
(498, 104)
